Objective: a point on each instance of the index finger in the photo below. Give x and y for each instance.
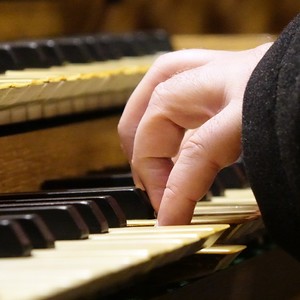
(213, 146)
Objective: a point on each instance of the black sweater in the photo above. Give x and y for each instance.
(271, 137)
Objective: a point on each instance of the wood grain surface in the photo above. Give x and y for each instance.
(27, 159)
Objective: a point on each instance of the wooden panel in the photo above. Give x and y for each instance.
(39, 18)
(31, 18)
(221, 41)
(29, 158)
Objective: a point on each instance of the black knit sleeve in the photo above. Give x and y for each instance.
(271, 137)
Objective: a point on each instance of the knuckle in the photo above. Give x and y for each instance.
(161, 91)
(171, 191)
(166, 93)
(195, 150)
(162, 59)
(160, 99)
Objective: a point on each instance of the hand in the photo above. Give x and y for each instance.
(182, 124)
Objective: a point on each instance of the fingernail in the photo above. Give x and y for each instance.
(156, 224)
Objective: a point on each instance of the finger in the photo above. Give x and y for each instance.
(164, 68)
(171, 110)
(213, 146)
(188, 133)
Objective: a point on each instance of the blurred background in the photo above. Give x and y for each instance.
(36, 18)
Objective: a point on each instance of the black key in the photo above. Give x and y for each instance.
(13, 240)
(52, 52)
(109, 208)
(88, 210)
(7, 59)
(133, 201)
(90, 181)
(233, 177)
(95, 51)
(217, 188)
(131, 46)
(35, 228)
(28, 55)
(91, 214)
(161, 40)
(74, 50)
(109, 45)
(144, 42)
(110, 212)
(64, 221)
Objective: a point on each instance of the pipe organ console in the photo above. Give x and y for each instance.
(72, 224)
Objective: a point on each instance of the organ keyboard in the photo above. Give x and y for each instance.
(77, 77)
(47, 109)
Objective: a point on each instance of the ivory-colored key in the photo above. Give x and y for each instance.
(246, 193)
(232, 197)
(166, 229)
(224, 209)
(31, 94)
(64, 276)
(99, 262)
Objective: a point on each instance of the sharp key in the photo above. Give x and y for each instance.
(90, 181)
(88, 210)
(13, 240)
(112, 211)
(217, 188)
(29, 55)
(64, 221)
(73, 50)
(8, 60)
(233, 177)
(133, 201)
(35, 228)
